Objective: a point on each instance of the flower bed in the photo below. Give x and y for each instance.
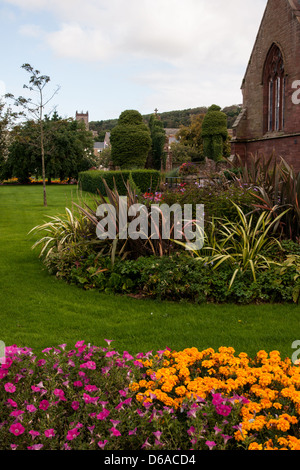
(95, 398)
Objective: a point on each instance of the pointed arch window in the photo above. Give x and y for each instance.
(274, 91)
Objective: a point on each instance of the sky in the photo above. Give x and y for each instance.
(111, 55)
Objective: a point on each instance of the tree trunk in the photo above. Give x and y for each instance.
(43, 157)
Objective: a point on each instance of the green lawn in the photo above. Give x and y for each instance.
(38, 311)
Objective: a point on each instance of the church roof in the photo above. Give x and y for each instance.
(295, 5)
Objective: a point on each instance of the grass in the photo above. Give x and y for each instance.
(39, 311)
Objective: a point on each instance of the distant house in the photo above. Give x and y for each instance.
(98, 147)
(270, 119)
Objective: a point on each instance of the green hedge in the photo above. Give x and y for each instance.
(92, 180)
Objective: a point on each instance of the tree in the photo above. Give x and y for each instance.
(37, 84)
(130, 141)
(6, 118)
(158, 138)
(68, 149)
(214, 133)
(190, 139)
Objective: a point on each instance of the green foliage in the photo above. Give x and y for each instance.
(158, 137)
(177, 278)
(214, 133)
(244, 244)
(278, 188)
(130, 141)
(67, 149)
(216, 198)
(92, 180)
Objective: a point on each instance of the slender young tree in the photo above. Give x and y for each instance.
(36, 107)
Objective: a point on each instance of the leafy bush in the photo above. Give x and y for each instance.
(130, 141)
(278, 189)
(94, 398)
(245, 245)
(177, 278)
(92, 180)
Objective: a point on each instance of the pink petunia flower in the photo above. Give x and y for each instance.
(34, 434)
(44, 405)
(60, 394)
(35, 447)
(9, 387)
(50, 433)
(88, 365)
(78, 383)
(210, 444)
(16, 413)
(17, 429)
(223, 410)
(12, 403)
(102, 444)
(31, 408)
(72, 434)
(75, 405)
(90, 388)
(115, 432)
(103, 414)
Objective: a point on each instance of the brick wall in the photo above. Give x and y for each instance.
(281, 26)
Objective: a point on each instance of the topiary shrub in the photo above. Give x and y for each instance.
(130, 141)
(214, 133)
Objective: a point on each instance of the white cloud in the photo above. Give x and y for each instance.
(170, 30)
(184, 52)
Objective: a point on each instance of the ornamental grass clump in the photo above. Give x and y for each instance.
(94, 398)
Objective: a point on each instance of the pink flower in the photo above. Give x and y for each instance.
(35, 447)
(31, 408)
(102, 444)
(223, 410)
(127, 356)
(78, 383)
(50, 433)
(9, 387)
(88, 365)
(114, 422)
(34, 434)
(91, 388)
(16, 413)
(88, 399)
(75, 405)
(109, 341)
(110, 353)
(115, 432)
(60, 394)
(103, 414)
(133, 432)
(157, 434)
(12, 403)
(210, 444)
(72, 434)
(17, 429)
(217, 399)
(44, 405)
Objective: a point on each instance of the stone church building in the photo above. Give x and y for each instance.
(270, 118)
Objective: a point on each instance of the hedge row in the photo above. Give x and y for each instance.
(92, 180)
